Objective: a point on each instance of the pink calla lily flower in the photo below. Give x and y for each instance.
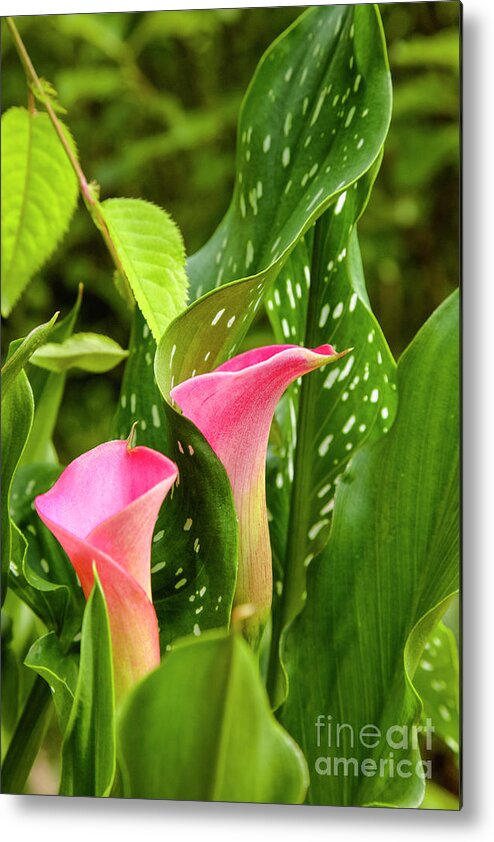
(102, 510)
(233, 407)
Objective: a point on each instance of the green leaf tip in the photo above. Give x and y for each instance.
(150, 254)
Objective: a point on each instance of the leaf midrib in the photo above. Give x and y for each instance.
(30, 118)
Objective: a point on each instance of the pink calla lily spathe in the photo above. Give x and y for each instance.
(102, 510)
(233, 407)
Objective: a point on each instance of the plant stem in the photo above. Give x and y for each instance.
(290, 602)
(35, 82)
(27, 738)
(90, 200)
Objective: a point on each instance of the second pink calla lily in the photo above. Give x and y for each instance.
(233, 407)
(102, 510)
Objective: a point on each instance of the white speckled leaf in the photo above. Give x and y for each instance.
(437, 682)
(320, 297)
(249, 248)
(381, 585)
(313, 120)
(194, 553)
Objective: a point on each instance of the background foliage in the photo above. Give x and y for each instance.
(153, 101)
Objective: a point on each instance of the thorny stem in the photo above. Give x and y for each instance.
(91, 202)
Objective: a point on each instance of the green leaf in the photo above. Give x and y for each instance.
(437, 798)
(151, 256)
(88, 750)
(39, 195)
(11, 670)
(90, 351)
(381, 585)
(41, 574)
(320, 297)
(48, 388)
(27, 738)
(194, 554)
(273, 206)
(212, 328)
(437, 682)
(256, 236)
(17, 418)
(313, 121)
(200, 728)
(21, 352)
(59, 669)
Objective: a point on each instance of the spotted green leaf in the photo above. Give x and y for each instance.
(213, 327)
(150, 253)
(89, 351)
(315, 163)
(39, 195)
(333, 102)
(200, 728)
(194, 552)
(437, 683)
(380, 586)
(313, 121)
(320, 297)
(89, 746)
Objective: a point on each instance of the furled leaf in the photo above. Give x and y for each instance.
(48, 390)
(229, 746)
(59, 669)
(380, 586)
(151, 255)
(90, 351)
(21, 351)
(88, 751)
(437, 682)
(42, 575)
(39, 195)
(17, 419)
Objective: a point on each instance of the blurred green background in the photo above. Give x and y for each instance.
(152, 101)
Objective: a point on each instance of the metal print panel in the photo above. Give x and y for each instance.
(230, 397)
